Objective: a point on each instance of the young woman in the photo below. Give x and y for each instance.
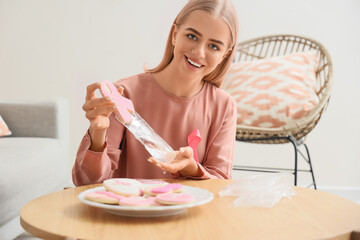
(181, 94)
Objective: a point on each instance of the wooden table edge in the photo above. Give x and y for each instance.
(41, 233)
(34, 231)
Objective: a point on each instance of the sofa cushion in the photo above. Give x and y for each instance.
(29, 168)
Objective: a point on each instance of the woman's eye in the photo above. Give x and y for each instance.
(213, 46)
(192, 36)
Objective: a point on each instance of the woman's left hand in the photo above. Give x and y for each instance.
(183, 162)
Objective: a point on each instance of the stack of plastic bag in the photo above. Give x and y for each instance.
(263, 190)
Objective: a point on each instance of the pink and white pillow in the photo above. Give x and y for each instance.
(273, 91)
(4, 130)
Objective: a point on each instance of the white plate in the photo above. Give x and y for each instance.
(201, 196)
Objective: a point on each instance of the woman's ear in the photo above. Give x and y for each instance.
(173, 34)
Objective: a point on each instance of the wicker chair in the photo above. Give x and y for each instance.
(296, 131)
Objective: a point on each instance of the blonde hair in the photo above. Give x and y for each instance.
(218, 8)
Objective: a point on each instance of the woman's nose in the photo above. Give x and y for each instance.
(199, 51)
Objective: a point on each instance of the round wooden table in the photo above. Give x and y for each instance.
(310, 214)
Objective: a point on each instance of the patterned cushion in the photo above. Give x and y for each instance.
(4, 130)
(273, 91)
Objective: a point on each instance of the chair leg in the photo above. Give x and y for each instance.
(296, 159)
(295, 170)
(311, 168)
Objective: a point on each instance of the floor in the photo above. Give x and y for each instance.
(26, 236)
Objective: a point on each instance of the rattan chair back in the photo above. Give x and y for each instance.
(278, 45)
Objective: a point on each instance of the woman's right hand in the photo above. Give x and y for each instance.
(97, 111)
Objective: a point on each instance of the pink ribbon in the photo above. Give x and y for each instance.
(193, 141)
(123, 105)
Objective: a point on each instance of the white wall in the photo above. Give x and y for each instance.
(56, 48)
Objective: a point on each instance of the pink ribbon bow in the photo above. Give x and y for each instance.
(193, 141)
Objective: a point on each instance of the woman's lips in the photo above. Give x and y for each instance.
(193, 63)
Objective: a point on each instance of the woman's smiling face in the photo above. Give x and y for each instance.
(200, 43)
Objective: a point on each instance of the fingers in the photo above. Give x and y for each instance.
(90, 90)
(97, 103)
(154, 161)
(172, 167)
(121, 90)
(104, 111)
(98, 109)
(186, 152)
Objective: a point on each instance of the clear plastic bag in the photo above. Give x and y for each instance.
(262, 190)
(152, 142)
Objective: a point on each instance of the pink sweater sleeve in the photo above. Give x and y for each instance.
(94, 167)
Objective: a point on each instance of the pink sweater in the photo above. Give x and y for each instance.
(212, 111)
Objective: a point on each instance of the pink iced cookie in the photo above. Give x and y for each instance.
(139, 201)
(123, 186)
(174, 198)
(168, 188)
(150, 183)
(103, 197)
(124, 106)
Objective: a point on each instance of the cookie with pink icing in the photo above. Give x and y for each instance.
(150, 183)
(103, 197)
(174, 198)
(139, 202)
(123, 186)
(168, 188)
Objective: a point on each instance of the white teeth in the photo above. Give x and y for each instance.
(194, 63)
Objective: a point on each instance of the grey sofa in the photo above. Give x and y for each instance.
(34, 159)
